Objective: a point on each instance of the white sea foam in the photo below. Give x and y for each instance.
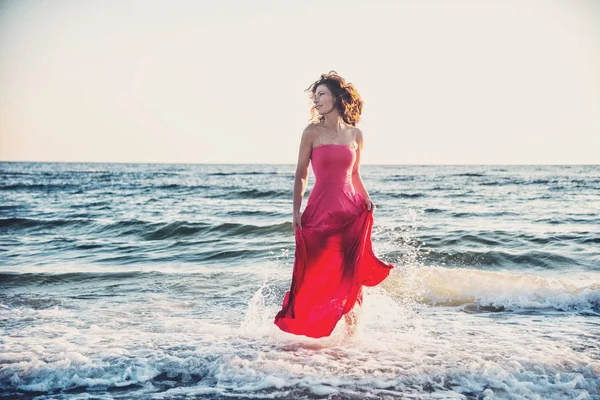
(500, 290)
(161, 347)
(448, 354)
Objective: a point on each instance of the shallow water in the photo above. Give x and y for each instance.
(161, 281)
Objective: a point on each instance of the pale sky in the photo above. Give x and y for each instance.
(444, 82)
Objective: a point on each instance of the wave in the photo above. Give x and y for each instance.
(470, 174)
(246, 213)
(398, 178)
(495, 258)
(487, 291)
(11, 280)
(253, 194)
(182, 229)
(393, 195)
(558, 221)
(483, 214)
(24, 223)
(149, 230)
(41, 186)
(177, 186)
(100, 204)
(551, 184)
(101, 183)
(10, 207)
(470, 289)
(250, 173)
(590, 240)
(574, 237)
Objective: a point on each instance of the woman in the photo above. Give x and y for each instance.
(333, 257)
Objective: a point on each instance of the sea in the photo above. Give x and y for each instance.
(161, 281)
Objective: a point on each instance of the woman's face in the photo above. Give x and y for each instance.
(324, 101)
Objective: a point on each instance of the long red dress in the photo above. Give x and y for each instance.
(333, 256)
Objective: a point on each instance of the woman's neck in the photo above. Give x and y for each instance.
(333, 122)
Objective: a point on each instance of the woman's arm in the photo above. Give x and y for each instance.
(357, 182)
(301, 176)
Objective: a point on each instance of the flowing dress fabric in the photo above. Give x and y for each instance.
(333, 256)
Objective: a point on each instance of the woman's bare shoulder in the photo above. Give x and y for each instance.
(310, 128)
(310, 131)
(358, 135)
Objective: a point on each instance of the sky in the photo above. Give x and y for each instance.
(443, 82)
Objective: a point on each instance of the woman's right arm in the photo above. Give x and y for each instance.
(301, 176)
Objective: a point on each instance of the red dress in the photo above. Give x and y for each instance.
(333, 256)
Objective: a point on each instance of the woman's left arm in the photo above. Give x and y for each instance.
(357, 181)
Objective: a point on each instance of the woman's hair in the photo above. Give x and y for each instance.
(347, 99)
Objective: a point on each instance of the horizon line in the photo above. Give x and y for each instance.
(284, 164)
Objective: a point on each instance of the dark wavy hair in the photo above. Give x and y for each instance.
(347, 99)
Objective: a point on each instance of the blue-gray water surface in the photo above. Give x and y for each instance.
(135, 281)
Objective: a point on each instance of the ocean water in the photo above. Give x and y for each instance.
(158, 281)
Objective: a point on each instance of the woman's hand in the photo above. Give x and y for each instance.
(369, 203)
(296, 221)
